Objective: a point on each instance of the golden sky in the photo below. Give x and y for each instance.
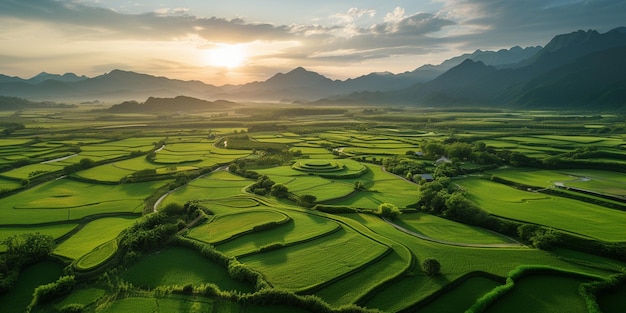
(239, 41)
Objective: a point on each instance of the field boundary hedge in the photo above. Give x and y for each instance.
(447, 288)
(255, 229)
(312, 238)
(590, 291)
(321, 285)
(369, 294)
(522, 271)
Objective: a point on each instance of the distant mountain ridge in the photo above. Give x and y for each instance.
(298, 84)
(578, 69)
(583, 69)
(180, 103)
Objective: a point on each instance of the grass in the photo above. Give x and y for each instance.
(55, 230)
(180, 266)
(224, 227)
(542, 294)
(382, 187)
(455, 262)
(65, 199)
(84, 296)
(217, 185)
(461, 297)
(324, 259)
(302, 227)
(132, 305)
(574, 216)
(97, 256)
(163, 305)
(613, 301)
(450, 231)
(532, 177)
(93, 235)
(16, 300)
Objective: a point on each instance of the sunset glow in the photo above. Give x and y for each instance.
(229, 56)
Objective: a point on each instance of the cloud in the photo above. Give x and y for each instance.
(164, 24)
(501, 23)
(354, 36)
(353, 14)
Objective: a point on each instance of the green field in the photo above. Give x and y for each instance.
(180, 266)
(574, 216)
(93, 235)
(223, 227)
(38, 274)
(238, 249)
(449, 231)
(542, 294)
(64, 199)
(321, 257)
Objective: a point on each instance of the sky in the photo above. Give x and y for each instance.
(239, 41)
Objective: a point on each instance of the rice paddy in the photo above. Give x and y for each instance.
(342, 258)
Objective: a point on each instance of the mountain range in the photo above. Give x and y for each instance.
(580, 69)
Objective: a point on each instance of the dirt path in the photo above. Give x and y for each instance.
(59, 159)
(458, 244)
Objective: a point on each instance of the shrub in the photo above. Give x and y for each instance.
(431, 267)
(388, 210)
(51, 291)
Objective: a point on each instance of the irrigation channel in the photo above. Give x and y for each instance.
(513, 244)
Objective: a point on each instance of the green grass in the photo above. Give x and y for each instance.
(97, 256)
(455, 262)
(532, 177)
(542, 294)
(55, 230)
(93, 235)
(450, 231)
(324, 259)
(461, 297)
(160, 305)
(599, 181)
(303, 226)
(16, 300)
(613, 301)
(84, 296)
(217, 185)
(573, 216)
(132, 305)
(180, 266)
(382, 187)
(64, 199)
(224, 227)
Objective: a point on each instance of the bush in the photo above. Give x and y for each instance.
(72, 308)
(431, 267)
(388, 210)
(51, 291)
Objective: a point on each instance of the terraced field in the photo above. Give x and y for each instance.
(234, 248)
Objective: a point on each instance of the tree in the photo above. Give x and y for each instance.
(431, 267)
(388, 210)
(307, 200)
(279, 191)
(358, 185)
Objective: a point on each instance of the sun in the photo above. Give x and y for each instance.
(229, 56)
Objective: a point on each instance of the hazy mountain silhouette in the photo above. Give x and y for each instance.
(67, 77)
(586, 64)
(16, 103)
(585, 69)
(180, 103)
